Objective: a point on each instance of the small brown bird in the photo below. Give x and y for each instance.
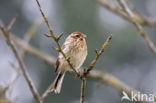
(75, 48)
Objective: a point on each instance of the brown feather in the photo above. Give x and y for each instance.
(57, 64)
(57, 80)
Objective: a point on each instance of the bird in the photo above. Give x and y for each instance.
(75, 48)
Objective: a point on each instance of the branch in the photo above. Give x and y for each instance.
(29, 34)
(21, 64)
(143, 20)
(82, 91)
(141, 31)
(11, 23)
(136, 19)
(90, 67)
(33, 51)
(55, 38)
(27, 37)
(10, 84)
(107, 78)
(3, 95)
(98, 54)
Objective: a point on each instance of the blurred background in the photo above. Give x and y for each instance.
(127, 57)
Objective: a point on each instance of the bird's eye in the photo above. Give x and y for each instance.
(77, 36)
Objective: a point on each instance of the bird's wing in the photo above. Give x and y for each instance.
(66, 48)
(57, 64)
(66, 51)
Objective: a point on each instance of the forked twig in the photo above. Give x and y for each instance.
(11, 23)
(55, 38)
(90, 67)
(134, 18)
(143, 20)
(21, 64)
(139, 28)
(98, 54)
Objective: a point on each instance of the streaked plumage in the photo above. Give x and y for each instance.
(75, 48)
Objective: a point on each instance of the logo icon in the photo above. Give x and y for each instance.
(125, 96)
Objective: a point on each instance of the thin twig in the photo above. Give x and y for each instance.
(98, 54)
(12, 23)
(90, 67)
(30, 32)
(27, 37)
(143, 20)
(32, 51)
(13, 67)
(82, 91)
(46, 93)
(3, 95)
(109, 79)
(140, 29)
(10, 84)
(135, 18)
(55, 38)
(21, 64)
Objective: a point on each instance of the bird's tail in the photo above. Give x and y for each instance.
(57, 83)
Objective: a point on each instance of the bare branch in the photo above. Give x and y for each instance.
(90, 67)
(27, 37)
(140, 19)
(32, 30)
(46, 93)
(107, 78)
(55, 38)
(135, 18)
(140, 29)
(11, 23)
(29, 34)
(33, 51)
(98, 54)
(3, 95)
(21, 64)
(59, 37)
(82, 91)
(14, 78)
